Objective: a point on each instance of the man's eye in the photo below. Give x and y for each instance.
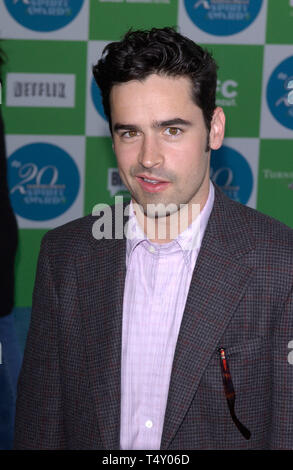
(129, 134)
(173, 131)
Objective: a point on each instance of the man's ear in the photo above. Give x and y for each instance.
(217, 131)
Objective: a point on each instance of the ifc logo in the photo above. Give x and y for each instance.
(279, 96)
(43, 180)
(231, 171)
(222, 17)
(41, 16)
(97, 99)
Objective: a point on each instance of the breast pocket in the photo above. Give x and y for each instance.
(245, 348)
(250, 365)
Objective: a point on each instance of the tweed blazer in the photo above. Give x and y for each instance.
(240, 298)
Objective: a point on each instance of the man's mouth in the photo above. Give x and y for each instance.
(151, 184)
(151, 181)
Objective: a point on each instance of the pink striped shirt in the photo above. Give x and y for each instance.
(156, 287)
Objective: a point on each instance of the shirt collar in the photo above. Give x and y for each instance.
(188, 240)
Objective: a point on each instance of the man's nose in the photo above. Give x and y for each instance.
(150, 153)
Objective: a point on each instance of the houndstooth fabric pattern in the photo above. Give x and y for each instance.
(240, 298)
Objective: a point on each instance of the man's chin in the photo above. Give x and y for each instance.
(158, 209)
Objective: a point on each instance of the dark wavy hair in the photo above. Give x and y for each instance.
(162, 51)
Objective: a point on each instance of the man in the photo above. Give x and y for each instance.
(9, 235)
(10, 354)
(154, 341)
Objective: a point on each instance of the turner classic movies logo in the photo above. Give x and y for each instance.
(279, 96)
(231, 171)
(44, 181)
(40, 90)
(44, 15)
(222, 17)
(285, 176)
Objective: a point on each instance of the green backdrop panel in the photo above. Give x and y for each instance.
(280, 22)
(25, 266)
(47, 57)
(102, 181)
(239, 87)
(275, 180)
(105, 26)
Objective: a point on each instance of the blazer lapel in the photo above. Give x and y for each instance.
(218, 283)
(101, 277)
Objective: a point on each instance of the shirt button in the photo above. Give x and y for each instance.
(149, 423)
(152, 249)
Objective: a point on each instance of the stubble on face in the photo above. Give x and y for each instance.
(182, 161)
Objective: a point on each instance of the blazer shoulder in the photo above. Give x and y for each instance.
(75, 238)
(264, 228)
(236, 223)
(77, 230)
(268, 226)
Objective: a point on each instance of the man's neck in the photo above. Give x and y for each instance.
(166, 228)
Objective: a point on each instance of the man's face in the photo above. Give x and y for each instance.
(159, 134)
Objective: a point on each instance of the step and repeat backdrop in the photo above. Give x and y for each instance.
(60, 158)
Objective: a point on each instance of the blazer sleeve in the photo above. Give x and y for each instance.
(39, 415)
(282, 383)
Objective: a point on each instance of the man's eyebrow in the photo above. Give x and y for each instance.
(156, 124)
(125, 127)
(172, 122)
